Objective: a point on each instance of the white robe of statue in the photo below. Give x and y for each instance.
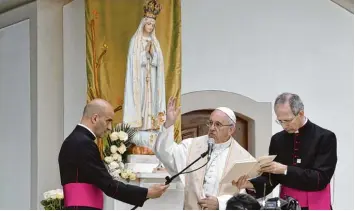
(144, 97)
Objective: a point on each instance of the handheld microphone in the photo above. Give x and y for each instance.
(210, 148)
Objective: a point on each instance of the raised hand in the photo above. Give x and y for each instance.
(171, 112)
(155, 191)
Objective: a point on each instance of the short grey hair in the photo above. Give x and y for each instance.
(233, 124)
(293, 100)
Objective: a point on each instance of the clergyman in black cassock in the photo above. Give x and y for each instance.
(84, 176)
(305, 162)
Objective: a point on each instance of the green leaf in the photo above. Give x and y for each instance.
(109, 141)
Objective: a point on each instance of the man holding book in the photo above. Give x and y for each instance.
(306, 158)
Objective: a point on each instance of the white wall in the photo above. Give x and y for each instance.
(27, 13)
(49, 92)
(74, 64)
(262, 48)
(15, 112)
(45, 36)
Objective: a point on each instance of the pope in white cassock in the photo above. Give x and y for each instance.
(203, 189)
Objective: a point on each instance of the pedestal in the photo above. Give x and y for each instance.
(172, 199)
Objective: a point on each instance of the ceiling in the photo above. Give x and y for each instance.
(346, 4)
(6, 5)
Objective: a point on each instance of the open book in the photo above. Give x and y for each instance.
(246, 167)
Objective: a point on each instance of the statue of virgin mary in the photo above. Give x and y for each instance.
(144, 98)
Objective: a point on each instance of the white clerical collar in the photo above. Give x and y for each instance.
(84, 126)
(222, 145)
(303, 124)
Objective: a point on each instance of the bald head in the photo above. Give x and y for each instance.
(97, 116)
(96, 106)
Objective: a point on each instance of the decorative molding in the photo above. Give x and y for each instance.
(6, 5)
(346, 4)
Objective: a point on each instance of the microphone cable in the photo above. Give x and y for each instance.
(196, 169)
(169, 180)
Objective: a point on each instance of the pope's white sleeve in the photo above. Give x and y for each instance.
(171, 154)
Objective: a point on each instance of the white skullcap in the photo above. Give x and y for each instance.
(229, 113)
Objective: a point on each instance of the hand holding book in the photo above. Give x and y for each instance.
(248, 168)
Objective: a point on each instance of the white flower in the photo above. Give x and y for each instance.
(129, 171)
(122, 148)
(132, 176)
(116, 173)
(124, 175)
(113, 165)
(60, 191)
(123, 136)
(121, 165)
(117, 157)
(47, 195)
(114, 136)
(108, 159)
(53, 194)
(113, 149)
(60, 194)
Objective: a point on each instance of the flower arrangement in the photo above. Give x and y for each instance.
(115, 153)
(53, 200)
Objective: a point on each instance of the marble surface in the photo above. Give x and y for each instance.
(144, 166)
(172, 199)
(142, 159)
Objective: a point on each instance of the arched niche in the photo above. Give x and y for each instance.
(258, 115)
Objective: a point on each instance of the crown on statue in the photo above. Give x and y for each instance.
(152, 9)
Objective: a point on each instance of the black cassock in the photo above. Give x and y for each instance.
(80, 162)
(311, 157)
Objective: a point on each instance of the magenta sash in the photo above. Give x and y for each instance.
(314, 200)
(82, 194)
